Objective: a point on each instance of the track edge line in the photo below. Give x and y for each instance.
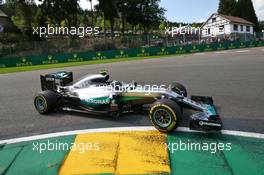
(116, 129)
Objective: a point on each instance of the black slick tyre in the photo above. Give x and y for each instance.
(165, 115)
(45, 101)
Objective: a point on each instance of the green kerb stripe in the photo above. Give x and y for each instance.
(22, 159)
(245, 157)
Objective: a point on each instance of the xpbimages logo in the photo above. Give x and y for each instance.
(81, 148)
(51, 30)
(212, 147)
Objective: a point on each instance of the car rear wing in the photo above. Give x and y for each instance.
(53, 80)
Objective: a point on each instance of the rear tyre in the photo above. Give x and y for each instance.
(45, 101)
(165, 115)
(179, 88)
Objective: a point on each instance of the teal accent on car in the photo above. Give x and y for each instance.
(211, 110)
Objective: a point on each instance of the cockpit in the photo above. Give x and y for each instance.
(97, 79)
(102, 80)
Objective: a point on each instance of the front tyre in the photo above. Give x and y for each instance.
(45, 101)
(165, 115)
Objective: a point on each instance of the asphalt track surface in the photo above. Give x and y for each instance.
(235, 79)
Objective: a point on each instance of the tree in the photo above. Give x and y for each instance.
(109, 9)
(122, 8)
(241, 8)
(163, 25)
(134, 13)
(91, 3)
(148, 14)
(40, 18)
(153, 15)
(245, 10)
(227, 7)
(60, 10)
(24, 16)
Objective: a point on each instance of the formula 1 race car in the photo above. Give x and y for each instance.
(96, 94)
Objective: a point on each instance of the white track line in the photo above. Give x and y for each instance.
(67, 133)
(221, 52)
(242, 51)
(199, 53)
(141, 128)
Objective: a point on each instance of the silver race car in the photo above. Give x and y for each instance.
(96, 94)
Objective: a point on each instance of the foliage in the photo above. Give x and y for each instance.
(117, 14)
(163, 25)
(7, 38)
(61, 10)
(227, 7)
(127, 16)
(240, 8)
(40, 19)
(246, 11)
(23, 16)
(147, 14)
(104, 46)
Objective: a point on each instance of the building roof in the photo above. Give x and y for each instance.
(2, 14)
(235, 19)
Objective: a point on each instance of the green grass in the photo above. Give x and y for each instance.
(60, 65)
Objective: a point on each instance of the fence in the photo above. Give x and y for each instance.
(62, 45)
(100, 43)
(122, 53)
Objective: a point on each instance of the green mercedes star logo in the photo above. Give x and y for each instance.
(163, 49)
(180, 48)
(143, 50)
(99, 54)
(194, 47)
(24, 59)
(208, 46)
(75, 55)
(121, 52)
(49, 57)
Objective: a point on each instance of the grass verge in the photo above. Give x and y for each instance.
(51, 66)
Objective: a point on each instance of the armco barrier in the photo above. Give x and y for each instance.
(134, 52)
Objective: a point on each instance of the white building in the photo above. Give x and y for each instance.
(4, 21)
(223, 26)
